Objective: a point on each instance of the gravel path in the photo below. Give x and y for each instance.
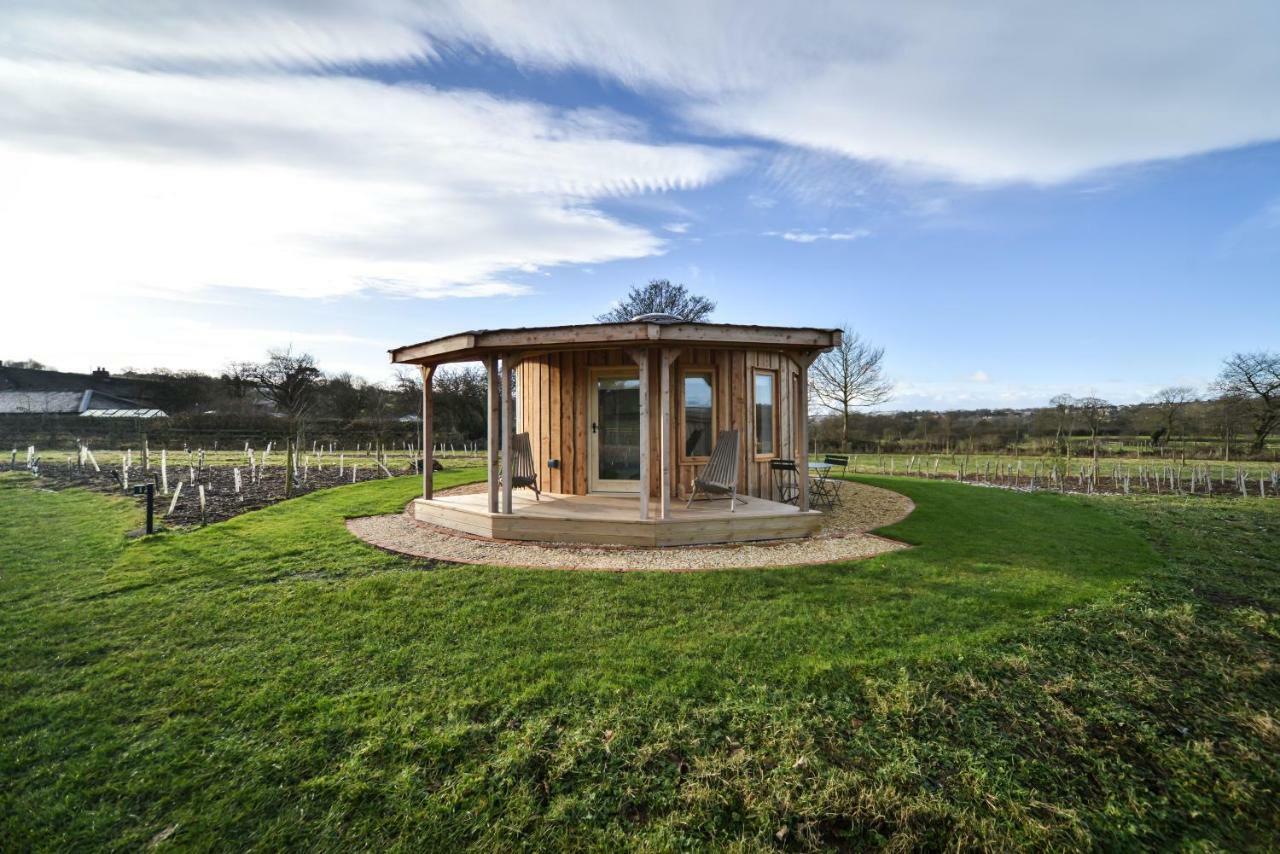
(843, 538)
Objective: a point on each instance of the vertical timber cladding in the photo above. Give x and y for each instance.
(555, 390)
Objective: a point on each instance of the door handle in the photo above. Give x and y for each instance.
(593, 427)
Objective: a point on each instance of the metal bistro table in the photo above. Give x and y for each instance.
(822, 490)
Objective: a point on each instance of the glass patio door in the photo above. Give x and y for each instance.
(614, 433)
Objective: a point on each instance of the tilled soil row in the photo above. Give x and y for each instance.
(221, 501)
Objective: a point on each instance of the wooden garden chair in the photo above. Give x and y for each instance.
(720, 475)
(523, 474)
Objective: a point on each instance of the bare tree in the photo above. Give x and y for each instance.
(289, 381)
(660, 296)
(1096, 411)
(1064, 406)
(946, 420)
(1255, 378)
(849, 376)
(1170, 402)
(1229, 412)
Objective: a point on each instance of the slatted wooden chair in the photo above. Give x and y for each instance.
(720, 475)
(523, 474)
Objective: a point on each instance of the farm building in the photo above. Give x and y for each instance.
(610, 429)
(88, 403)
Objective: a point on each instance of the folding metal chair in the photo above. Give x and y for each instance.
(786, 480)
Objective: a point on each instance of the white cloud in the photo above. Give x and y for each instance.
(985, 92)
(676, 227)
(980, 377)
(119, 179)
(821, 234)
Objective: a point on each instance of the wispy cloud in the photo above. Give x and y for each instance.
(247, 171)
(676, 227)
(821, 234)
(1037, 93)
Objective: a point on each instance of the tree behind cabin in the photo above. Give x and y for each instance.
(660, 296)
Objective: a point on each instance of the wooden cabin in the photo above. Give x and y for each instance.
(621, 417)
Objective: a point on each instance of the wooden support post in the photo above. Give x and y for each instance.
(800, 425)
(800, 435)
(669, 356)
(641, 358)
(492, 417)
(505, 388)
(428, 440)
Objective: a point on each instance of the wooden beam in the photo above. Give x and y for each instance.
(476, 345)
(438, 347)
(428, 437)
(800, 436)
(641, 358)
(493, 418)
(669, 356)
(800, 420)
(507, 433)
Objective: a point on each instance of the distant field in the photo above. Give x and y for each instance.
(949, 464)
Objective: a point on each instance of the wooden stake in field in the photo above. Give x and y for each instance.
(340, 462)
(236, 475)
(174, 501)
(164, 471)
(353, 472)
(200, 487)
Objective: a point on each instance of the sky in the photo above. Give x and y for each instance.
(1014, 200)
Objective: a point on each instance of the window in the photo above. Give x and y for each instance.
(698, 414)
(765, 389)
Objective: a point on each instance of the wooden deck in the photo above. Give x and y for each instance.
(614, 520)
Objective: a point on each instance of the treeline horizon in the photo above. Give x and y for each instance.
(1215, 428)
(1179, 421)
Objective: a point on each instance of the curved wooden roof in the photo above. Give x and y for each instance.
(478, 343)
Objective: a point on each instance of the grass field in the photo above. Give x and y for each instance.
(1041, 670)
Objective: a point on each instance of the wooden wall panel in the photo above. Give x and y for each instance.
(554, 394)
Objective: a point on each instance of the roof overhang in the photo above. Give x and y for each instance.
(478, 344)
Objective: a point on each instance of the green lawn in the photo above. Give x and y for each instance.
(1039, 670)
